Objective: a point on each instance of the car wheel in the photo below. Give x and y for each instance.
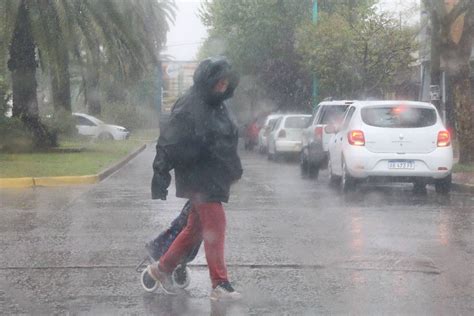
(105, 136)
(419, 187)
(277, 156)
(303, 164)
(443, 186)
(333, 179)
(347, 181)
(313, 171)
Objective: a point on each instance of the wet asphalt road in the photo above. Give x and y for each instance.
(294, 247)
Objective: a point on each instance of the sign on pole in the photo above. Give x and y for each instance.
(435, 93)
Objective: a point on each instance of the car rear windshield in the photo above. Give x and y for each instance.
(332, 114)
(297, 121)
(398, 116)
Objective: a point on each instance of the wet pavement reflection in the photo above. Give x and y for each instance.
(294, 247)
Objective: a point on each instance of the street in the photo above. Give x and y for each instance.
(294, 247)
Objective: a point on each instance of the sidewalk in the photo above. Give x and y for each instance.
(464, 181)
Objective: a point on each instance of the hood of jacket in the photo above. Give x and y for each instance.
(208, 73)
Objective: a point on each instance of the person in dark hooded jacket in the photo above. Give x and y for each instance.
(200, 144)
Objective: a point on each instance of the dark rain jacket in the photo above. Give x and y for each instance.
(200, 140)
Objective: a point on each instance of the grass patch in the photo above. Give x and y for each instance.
(463, 168)
(94, 157)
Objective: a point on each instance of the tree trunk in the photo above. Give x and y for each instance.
(455, 55)
(3, 79)
(92, 91)
(60, 82)
(464, 115)
(22, 65)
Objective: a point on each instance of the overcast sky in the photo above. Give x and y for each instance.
(188, 33)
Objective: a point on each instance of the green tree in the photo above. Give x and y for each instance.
(260, 38)
(452, 26)
(356, 57)
(124, 34)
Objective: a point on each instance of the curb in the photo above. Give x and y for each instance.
(18, 183)
(108, 171)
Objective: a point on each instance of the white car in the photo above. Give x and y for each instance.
(286, 134)
(314, 152)
(265, 131)
(88, 125)
(399, 141)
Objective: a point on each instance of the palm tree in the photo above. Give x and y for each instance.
(94, 31)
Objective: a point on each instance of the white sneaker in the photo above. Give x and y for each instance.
(225, 292)
(164, 279)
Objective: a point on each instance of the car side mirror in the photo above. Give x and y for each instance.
(330, 129)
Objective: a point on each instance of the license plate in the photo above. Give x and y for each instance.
(401, 164)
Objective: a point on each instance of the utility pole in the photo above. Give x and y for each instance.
(315, 77)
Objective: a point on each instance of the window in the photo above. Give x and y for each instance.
(297, 121)
(333, 114)
(275, 124)
(83, 121)
(348, 118)
(399, 116)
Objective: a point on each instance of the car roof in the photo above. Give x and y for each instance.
(90, 117)
(361, 104)
(82, 114)
(337, 102)
(296, 115)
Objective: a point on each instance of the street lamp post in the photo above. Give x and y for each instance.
(315, 77)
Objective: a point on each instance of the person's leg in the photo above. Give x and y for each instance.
(183, 244)
(213, 223)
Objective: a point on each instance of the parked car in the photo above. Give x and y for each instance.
(88, 125)
(314, 150)
(251, 134)
(285, 136)
(265, 131)
(400, 141)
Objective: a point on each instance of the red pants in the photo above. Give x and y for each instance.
(206, 222)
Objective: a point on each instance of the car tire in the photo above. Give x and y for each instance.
(419, 187)
(443, 186)
(347, 181)
(313, 171)
(105, 136)
(303, 164)
(333, 179)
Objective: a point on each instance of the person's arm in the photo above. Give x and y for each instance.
(176, 146)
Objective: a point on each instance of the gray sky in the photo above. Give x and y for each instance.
(188, 33)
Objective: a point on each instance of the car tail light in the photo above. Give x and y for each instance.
(444, 139)
(356, 138)
(318, 132)
(282, 134)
